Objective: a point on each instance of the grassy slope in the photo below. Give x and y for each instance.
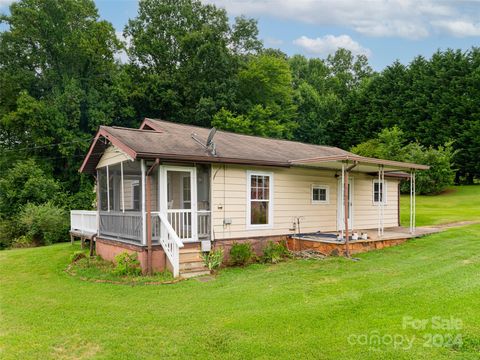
(291, 310)
(460, 203)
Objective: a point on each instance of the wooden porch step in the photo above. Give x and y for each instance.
(189, 257)
(194, 272)
(189, 250)
(185, 266)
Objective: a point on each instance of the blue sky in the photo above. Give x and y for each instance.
(384, 30)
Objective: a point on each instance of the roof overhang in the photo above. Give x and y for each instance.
(362, 164)
(98, 147)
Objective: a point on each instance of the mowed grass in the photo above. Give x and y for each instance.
(297, 309)
(293, 310)
(458, 203)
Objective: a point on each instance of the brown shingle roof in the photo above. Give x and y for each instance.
(168, 140)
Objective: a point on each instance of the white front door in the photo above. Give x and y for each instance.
(341, 206)
(178, 200)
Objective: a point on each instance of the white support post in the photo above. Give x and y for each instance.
(382, 203)
(144, 218)
(123, 190)
(414, 204)
(342, 216)
(108, 190)
(411, 201)
(378, 209)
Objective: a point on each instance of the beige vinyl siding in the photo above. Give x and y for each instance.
(112, 155)
(365, 211)
(292, 199)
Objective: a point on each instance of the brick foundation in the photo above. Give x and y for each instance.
(258, 244)
(339, 249)
(108, 249)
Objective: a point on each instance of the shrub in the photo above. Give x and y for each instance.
(127, 264)
(22, 242)
(440, 175)
(9, 230)
(25, 183)
(391, 144)
(275, 252)
(44, 224)
(241, 253)
(213, 259)
(77, 255)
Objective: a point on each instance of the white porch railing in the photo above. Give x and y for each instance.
(170, 242)
(123, 226)
(203, 224)
(181, 222)
(83, 221)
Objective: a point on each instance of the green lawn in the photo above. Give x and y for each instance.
(297, 309)
(459, 203)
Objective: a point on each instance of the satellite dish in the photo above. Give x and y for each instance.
(211, 134)
(210, 145)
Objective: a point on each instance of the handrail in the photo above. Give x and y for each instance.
(170, 242)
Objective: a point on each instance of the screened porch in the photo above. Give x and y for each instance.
(180, 193)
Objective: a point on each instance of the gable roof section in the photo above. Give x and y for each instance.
(172, 141)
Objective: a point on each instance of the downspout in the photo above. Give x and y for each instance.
(149, 216)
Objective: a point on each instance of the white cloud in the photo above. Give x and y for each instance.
(460, 28)
(122, 54)
(272, 42)
(412, 19)
(328, 44)
(5, 3)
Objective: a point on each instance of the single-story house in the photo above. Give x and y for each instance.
(169, 191)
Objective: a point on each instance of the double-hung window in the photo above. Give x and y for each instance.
(319, 194)
(260, 199)
(379, 192)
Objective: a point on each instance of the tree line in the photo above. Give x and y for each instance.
(60, 78)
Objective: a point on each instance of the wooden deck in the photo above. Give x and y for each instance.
(393, 233)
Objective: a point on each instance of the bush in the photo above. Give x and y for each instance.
(391, 144)
(127, 264)
(241, 253)
(275, 252)
(9, 230)
(44, 224)
(76, 256)
(440, 175)
(22, 242)
(213, 259)
(25, 183)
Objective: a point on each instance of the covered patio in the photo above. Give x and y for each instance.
(378, 168)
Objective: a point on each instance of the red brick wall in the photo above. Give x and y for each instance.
(258, 244)
(108, 249)
(339, 249)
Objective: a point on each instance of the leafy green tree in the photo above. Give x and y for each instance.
(185, 56)
(44, 224)
(57, 70)
(25, 183)
(391, 144)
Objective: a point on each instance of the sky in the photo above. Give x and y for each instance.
(383, 30)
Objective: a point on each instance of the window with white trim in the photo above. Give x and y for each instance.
(260, 193)
(320, 194)
(379, 192)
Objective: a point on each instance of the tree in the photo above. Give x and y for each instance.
(56, 72)
(264, 98)
(25, 183)
(185, 56)
(391, 144)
